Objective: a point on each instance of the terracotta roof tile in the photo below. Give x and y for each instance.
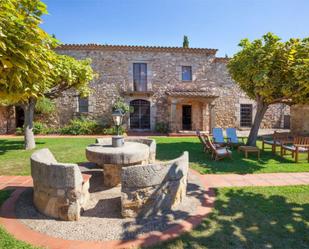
(92, 46)
(192, 93)
(222, 59)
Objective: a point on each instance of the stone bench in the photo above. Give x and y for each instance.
(149, 189)
(59, 189)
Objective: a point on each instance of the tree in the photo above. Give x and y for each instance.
(185, 43)
(29, 67)
(270, 72)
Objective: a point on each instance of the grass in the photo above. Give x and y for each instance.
(259, 217)
(15, 161)
(169, 148)
(252, 218)
(7, 241)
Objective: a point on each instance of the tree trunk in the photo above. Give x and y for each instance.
(28, 124)
(260, 112)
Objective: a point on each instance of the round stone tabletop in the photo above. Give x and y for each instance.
(130, 153)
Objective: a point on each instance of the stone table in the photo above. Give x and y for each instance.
(112, 159)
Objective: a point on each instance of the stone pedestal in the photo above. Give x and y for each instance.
(112, 159)
(112, 175)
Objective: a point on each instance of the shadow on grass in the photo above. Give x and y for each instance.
(205, 164)
(244, 219)
(7, 145)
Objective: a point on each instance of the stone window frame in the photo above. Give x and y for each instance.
(90, 104)
(244, 101)
(149, 73)
(193, 72)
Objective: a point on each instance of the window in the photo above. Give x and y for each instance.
(245, 115)
(186, 73)
(82, 104)
(140, 76)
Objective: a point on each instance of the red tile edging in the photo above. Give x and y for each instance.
(22, 232)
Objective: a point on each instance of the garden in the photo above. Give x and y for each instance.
(248, 217)
(154, 191)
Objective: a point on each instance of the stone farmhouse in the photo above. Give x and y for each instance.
(184, 88)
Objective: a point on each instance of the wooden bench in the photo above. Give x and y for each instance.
(275, 140)
(299, 145)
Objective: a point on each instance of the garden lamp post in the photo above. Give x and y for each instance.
(117, 141)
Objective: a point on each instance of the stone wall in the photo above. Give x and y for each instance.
(300, 119)
(7, 120)
(164, 74)
(115, 70)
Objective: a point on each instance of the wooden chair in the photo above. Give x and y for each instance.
(218, 153)
(232, 138)
(276, 139)
(299, 145)
(203, 141)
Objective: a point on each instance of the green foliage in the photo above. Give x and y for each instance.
(70, 73)
(162, 127)
(113, 131)
(45, 106)
(29, 68)
(19, 131)
(84, 126)
(39, 128)
(185, 43)
(272, 71)
(25, 50)
(120, 104)
(81, 126)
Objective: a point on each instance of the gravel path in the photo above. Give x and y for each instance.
(102, 219)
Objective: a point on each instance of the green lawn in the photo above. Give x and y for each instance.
(15, 161)
(243, 218)
(252, 218)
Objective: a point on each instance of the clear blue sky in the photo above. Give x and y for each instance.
(217, 24)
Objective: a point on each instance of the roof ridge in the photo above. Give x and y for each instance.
(134, 48)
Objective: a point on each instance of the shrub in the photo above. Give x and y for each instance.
(113, 131)
(19, 131)
(45, 106)
(39, 128)
(162, 127)
(81, 126)
(120, 104)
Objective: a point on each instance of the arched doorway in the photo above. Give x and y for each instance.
(140, 117)
(20, 117)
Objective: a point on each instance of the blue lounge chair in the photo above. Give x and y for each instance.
(217, 135)
(232, 138)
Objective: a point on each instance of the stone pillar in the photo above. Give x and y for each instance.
(173, 121)
(212, 117)
(205, 117)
